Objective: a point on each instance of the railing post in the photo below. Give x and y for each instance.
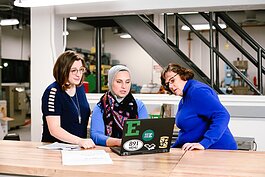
(211, 49)
(217, 82)
(260, 80)
(177, 30)
(98, 58)
(165, 27)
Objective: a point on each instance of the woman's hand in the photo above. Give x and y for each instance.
(192, 146)
(113, 142)
(86, 143)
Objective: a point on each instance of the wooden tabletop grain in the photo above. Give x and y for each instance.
(24, 158)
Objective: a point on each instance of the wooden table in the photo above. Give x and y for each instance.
(221, 163)
(24, 158)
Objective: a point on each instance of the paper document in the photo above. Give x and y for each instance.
(60, 146)
(85, 157)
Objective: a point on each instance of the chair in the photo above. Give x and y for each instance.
(12, 136)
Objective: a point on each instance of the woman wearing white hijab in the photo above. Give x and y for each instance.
(114, 107)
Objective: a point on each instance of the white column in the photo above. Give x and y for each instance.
(46, 45)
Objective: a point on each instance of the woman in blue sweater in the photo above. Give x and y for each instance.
(202, 119)
(114, 107)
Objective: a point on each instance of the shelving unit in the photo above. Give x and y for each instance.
(104, 78)
(16, 104)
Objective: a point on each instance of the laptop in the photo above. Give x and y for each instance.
(146, 136)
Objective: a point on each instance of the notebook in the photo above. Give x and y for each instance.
(145, 136)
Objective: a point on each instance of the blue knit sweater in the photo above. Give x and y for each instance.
(203, 119)
(97, 127)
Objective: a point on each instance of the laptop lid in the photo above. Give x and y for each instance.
(142, 136)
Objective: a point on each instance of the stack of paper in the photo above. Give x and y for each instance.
(85, 157)
(60, 146)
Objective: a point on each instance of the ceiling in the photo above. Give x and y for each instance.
(243, 18)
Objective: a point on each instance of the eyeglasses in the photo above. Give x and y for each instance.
(170, 81)
(82, 70)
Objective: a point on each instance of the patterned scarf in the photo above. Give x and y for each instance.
(116, 113)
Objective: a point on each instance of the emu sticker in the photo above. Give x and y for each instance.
(133, 145)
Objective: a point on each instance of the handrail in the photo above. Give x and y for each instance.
(217, 51)
(237, 29)
(258, 48)
(234, 42)
(184, 58)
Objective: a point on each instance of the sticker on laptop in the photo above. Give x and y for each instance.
(148, 135)
(164, 141)
(133, 145)
(150, 146)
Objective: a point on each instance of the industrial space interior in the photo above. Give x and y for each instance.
(223, 44)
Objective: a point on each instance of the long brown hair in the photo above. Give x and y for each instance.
(62, 68)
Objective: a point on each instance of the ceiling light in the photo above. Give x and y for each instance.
(6, 22)
(125, 36)
(39, 3)
(184, 13)
(73, 18)
(201, 27)
(5, 64)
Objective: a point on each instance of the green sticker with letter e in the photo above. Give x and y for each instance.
(132, 125)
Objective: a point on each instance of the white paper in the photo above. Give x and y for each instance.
(85, 157)
(60, 146)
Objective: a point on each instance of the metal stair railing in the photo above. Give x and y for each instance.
(252, 43)
(217, 52)
(180, 53)
(153, 41)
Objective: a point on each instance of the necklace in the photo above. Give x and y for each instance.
(77, 108)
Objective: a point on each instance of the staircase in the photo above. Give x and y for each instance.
(164, 51)
(157, 44)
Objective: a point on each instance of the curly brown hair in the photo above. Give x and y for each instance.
(62, 68)
(184, 73)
